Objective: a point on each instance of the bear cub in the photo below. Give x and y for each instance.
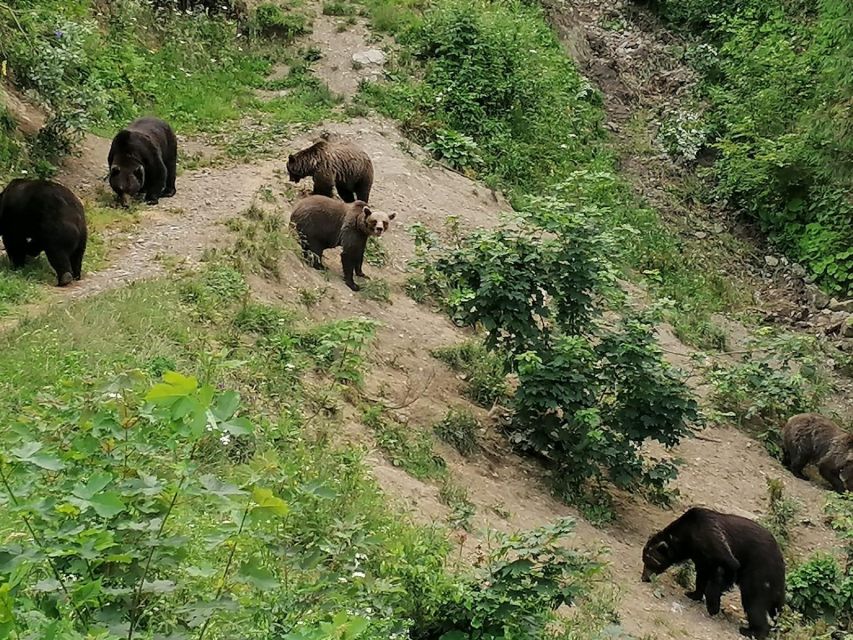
(809, 438)
(143, 160)
(323, 223)
(334, 164)
(726, 550)
(39, 215)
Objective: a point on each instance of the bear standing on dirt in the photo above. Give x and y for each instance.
(143, 159)
(334, 164)
(726, 550)
(809, 438)
(322, 223)
(39, 215)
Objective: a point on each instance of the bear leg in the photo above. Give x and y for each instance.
(348, 262)
(702, 576)
(345, 192)
(171, 176)
(829, 472)
(77, 261)
(362, 190)
(61, 263)
(756, 615)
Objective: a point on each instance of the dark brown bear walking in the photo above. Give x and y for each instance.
(323, 223)
(39, 215)
(143, 160)
(726, 550)
(809, 438)
(334, 164)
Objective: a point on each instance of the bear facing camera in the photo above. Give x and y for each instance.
(726, 550)
(40, 215)
(143, 161)
(323, 223)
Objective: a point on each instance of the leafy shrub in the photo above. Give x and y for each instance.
(410, 450)
(338, 347)
(485, 377)
(524, 579)
(458, 428)
(819, 589)
(780, 513)
(270, 20)
(338, 8)
(457, 149)
(587, 398)
(778, 89)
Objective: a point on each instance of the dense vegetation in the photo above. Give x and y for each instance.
(776, 77)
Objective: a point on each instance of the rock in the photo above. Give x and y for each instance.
(371, 56)
(817, 298)
(771, 261)
(701, 235)
(847, 331)
(798, 270)
(841, 305)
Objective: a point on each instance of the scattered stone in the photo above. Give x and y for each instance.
(717, 228)
(798, 270)
(701, 235)
(841, 305)
(771, 261)
(371, 56)
(817, 298)
(847, 332)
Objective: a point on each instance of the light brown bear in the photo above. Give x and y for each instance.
(809, 438)
(323, 223)
(334, 164)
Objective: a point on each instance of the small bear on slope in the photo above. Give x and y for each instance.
(323, 223)
(726, 550)
(334, 164)
(810, 438)
(143, 160)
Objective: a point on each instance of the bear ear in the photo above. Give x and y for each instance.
(367, 212)
(663, 545)
(393, 215)
(290, 158)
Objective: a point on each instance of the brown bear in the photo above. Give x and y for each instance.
(334, 164)
(726, 550)
(143, 159)
(322, 223)
(809, 438)
(39, 215)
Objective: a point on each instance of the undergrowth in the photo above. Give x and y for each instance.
(488, 89)
(775, 77)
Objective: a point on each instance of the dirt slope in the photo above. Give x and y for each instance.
(724, 470)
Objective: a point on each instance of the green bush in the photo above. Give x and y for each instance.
(587, 397)
(819, 589)
(776, 74)
(485, 377)
(270, 20)
(459, 428)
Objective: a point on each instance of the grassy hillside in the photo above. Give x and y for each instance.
(776, 77)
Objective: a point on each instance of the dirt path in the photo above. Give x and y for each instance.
(725, 470)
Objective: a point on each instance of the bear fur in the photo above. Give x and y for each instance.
(323, 223)
(334, 164)
(39, 215)
(143, 159)
(726, 550)
(809, 438)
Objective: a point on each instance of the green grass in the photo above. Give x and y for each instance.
(409, 449)
(485, 378)
(533, 126)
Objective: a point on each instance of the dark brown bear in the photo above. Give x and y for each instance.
(38, 215)
(322, 223)
(809, 438)
(143, 159)
(334, 164)
(726, 550)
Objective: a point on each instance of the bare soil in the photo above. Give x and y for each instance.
(725, 469)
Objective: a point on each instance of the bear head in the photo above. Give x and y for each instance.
(659, 554)
(127, 177)
(376, 223)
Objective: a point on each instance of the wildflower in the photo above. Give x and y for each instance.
(225, 439)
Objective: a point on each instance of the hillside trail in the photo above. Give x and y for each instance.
(725, 469)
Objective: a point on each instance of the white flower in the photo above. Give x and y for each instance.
(225, 439)
(358, 574)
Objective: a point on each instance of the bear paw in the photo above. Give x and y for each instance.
(695, 595)
(65, 279)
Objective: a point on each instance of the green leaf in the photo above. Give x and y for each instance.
(107, 504)
(259, 577)
(319, 490)
(216, 487)
(97, 483)
(30, 453)
(226, 405)
(173, 387)
(237, 426)
(266, 500)
(158, 586)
